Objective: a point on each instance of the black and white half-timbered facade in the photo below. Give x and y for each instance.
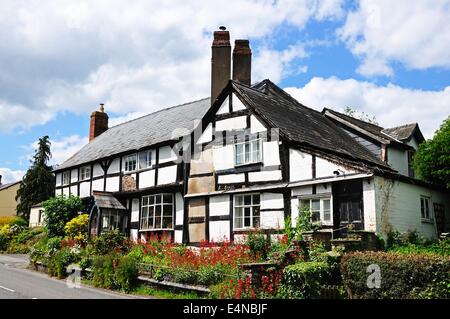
(250, 157)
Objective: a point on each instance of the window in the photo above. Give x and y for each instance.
(410, 163)
(246, 211)
(248, 152)
(40, 219)
(65, 178)
(320, 209)
(85, 173)
(130, 163)
(425, 208)
(157, 212)
(113, 219)
(145, 159)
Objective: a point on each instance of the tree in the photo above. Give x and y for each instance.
(38, 184)
(362, 116)
(58, 211)
(432, 160)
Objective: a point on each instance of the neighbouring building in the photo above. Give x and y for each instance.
(248, 157)
(8, 201)
(37, 215)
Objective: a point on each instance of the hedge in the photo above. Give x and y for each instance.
(412, 276)
(305, 280)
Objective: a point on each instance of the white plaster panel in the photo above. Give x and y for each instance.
(147, 179)
(219, 231)
(178, 236)
(272, 219)
(326, 168)
(271, 153)
(112, 184)
(231, 178)
(98, 170)
(97, 184)
(166, 154)
(219, 205)
(272, 201)
(300, 165)
(134, 235)
(167, 175)
(370, 221)
(237, 104)
(135, 210)
(398, 159)
(114, 167)
(264, 176)
(66, 191)
(302, 190)
(58, 179)
(223, 157)
(85, 189)
(234, 123)
(179, 203)
(255, 125)
(206, 135)
(74, 190)
(225, 107)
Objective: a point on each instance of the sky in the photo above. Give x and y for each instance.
(60, 59)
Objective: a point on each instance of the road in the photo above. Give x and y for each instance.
(17, 282)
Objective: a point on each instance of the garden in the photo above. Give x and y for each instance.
(292, 266)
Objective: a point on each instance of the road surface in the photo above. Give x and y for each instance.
(17, 282)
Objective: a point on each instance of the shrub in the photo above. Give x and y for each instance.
(109, 241)
(6, 220)
(402, 276)
(103, 271)
(18, 221)
(58, 211)
(259, 244)
(77, 228)
(114, 272)
(304, 280)
(58, 262)
(126, 273)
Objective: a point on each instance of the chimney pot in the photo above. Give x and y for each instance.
(220, 62)
(242, 62)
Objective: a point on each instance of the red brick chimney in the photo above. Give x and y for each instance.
(99, 123)
(220, 62)
(242, 62)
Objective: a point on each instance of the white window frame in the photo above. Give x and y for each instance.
(126, 159)
(152, 218)
(250, 144)
(65, 178)
(83, 173)
(243, 206)
(321, 209)
(426, 200)
(148, 159)
(118, 215)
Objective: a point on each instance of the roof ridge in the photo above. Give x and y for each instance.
(400, 126)
(158, 111)
(357, 119)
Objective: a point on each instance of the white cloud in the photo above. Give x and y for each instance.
(415, 33)
(10, 176)
(392, 105)
(134, 56)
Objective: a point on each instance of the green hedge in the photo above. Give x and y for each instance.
(115, 272)
(412, 276)
(305, 280)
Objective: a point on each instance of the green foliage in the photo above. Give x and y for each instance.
(361, 116)
(259, 244)
(6, 220)
(432, 160)
(57, 263)
(304, 221)
(109, 241)
(38, 184)
(16, 239)
(304, 280)
(58, 211)
(114, 271)
(77, 228)
(19, 222)
(403, 276)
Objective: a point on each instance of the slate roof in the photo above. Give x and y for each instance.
(105, 200)
(302, 124)
(8, 185)
(164, 125)
(403, 132)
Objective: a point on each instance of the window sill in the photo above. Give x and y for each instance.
(155, 230)
(248, 164)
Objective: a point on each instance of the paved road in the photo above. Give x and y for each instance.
(17, 282)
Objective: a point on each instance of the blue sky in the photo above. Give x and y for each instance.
(59, 60)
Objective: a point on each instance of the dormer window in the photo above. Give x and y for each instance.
(65, 178)
(130, 163)
(85, 173)
(248, 152)
(145, 159)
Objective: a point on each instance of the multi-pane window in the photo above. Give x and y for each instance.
(248, 152)
(130, 163)
(246, 211)
(425, 208)
(145, 159)
(157, 212)
(85, 173)
(320, 209)
(65, 178)
(113, 219)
